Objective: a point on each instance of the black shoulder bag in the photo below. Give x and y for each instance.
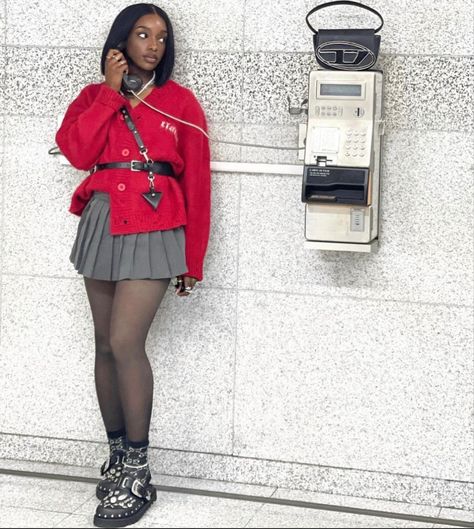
(346, 49)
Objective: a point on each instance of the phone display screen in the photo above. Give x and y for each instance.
(342, 90)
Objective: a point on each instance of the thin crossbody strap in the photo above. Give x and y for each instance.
(131, 126)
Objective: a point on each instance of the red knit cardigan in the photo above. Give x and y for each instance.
(93, 131)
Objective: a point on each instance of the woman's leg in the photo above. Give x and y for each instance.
(134, 306)
(101, 297)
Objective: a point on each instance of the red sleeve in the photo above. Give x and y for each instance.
(84, 130)
(195, 183)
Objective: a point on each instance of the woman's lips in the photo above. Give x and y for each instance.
(150, 58)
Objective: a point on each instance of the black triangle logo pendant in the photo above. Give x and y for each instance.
(153, 198)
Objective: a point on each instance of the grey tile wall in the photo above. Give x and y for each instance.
(420, 92)
(222, 251)
(41, 320)
(429, 92)
(410, 27)
(359, 384)
(3, 51)
(3, 17)
(203, 26)
(216, 78)
(37, 244)
(425, 27)
(190, 346)
(83, 23)
(269, 80)
(86, 23)
(228, 132)
(425, 253)
(43, 81)
(2, 137)
(274, 136)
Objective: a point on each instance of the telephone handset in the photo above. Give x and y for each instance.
(129, 82)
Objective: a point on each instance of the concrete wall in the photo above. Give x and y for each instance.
(334, 372)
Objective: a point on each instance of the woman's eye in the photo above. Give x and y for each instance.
(162, 40)
(142, 35)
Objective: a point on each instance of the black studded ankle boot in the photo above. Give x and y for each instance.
(111, 470)
(133, 494)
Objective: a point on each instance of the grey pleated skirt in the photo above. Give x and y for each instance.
(99, 255)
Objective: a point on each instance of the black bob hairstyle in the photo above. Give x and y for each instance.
(123, 25)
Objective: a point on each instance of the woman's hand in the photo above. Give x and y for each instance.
(185, 285)
(115, 67)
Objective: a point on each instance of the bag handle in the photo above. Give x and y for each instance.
(343, 2)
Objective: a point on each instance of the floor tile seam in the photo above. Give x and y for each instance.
(34, 509)
(59, 522)
(295, 503)
(259, 510)
(91, 497)
(93, 480)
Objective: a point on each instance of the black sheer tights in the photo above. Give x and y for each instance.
(123, 312)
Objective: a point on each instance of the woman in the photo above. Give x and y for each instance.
(145, 216)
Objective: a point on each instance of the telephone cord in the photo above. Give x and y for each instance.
(207, 135)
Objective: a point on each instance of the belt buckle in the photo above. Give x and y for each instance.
(132, 168)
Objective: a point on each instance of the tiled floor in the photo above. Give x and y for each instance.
(27, 501)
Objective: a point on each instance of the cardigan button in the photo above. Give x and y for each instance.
(121, 187)
(125, 152)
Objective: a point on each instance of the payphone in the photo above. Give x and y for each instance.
(341, 179)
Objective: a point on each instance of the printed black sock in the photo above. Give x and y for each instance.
(136, 461)
(117, 441)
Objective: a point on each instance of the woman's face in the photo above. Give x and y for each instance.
(146, 42)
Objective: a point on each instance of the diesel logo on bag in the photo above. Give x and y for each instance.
(346, 49)
(345, 55)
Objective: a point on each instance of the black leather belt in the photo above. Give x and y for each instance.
(162, 168)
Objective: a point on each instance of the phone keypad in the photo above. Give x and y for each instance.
(328, 111)
(356, 144)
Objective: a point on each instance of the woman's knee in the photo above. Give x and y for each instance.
(102, 345)
(125, 346)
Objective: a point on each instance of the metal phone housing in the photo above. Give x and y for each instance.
(341, 180)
